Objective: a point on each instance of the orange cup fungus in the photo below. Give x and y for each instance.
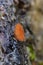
(19, 32)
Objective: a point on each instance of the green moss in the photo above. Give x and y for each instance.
(31, 53)
(40, 63)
